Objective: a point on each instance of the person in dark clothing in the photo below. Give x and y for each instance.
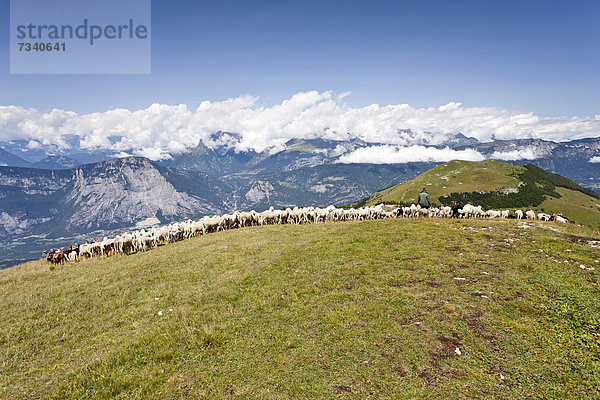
(455, 207)
(424, 200)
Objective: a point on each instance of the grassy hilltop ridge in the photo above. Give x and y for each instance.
(372, 309)
(498, 185)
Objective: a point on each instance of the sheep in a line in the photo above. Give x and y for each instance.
(519, 214)
(543, 217)
(146, 239)
(493, 214)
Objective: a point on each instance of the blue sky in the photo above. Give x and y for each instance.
(542, 57)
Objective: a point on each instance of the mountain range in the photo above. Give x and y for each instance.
(62, 194)
(124, 191)
(221, 158)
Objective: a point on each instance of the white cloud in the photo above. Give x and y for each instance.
(336, 151)
(595, 159)
(387, 154)
(452, 106)
(33, 144)
(518, 154)
(152, 153)
(161, 129)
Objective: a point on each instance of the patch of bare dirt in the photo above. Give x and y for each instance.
(342, 389)
(475, 324)
(586, 241)
(447, 350)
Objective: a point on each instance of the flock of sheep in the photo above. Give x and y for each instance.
(145, 239)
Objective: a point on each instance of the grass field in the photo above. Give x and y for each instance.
(575, 206)
(373, 309)
(453, 176)
(465, 176)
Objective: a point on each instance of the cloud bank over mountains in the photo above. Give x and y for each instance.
(160, 130)
(525, 153)
(399, 154)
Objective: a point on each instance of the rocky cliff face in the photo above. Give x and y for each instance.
(31, 181)
(28, 199)
(115, 193)
(125, 191)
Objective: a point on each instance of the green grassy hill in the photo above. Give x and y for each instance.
(499, 185)
(373, 309)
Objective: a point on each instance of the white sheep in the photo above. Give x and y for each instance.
(543, 217)
(530, 214)
(86, 249)
(493, 214)
(145, 239)
(467, 211)
(478, 212)
(446, 211)
(424, 212)
(519, 214)
(72, 256)
(414, 210)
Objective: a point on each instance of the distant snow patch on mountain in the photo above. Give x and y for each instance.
(387, 154)
(595, 159)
